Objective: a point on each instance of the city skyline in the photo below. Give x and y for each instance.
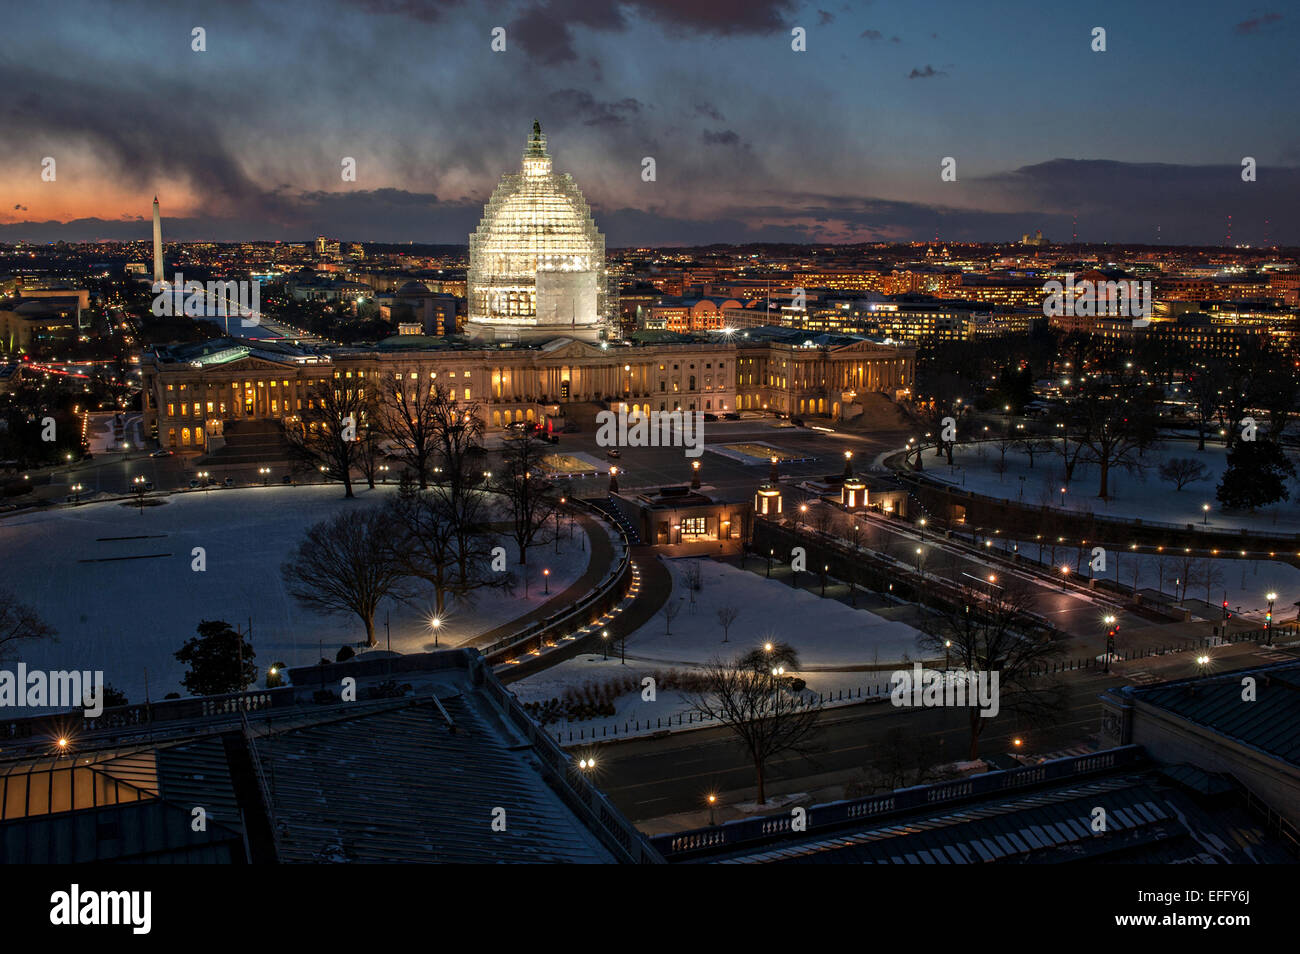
(244, 140)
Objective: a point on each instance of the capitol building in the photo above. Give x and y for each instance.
(536, 261)
(540, 345)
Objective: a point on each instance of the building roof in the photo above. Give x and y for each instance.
(1267, 724)
(1033, 814)
(398, 776)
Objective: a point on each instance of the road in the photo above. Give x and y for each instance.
(651, 778)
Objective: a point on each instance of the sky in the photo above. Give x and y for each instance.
(752, 140)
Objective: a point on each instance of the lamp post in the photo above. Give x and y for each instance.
(1268, 619)
(695, 475)
(769, 562)
(604, 639)
(76, 493)
(435, 624)
(546, 577)
(947, 654)
(266, 475)
(1205, 515)
(922, 523)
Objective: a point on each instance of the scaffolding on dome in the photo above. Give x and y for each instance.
(537, 260)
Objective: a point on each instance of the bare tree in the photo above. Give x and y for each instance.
(370, 453)
(767, 718)
(529, 495)
(328, 436)
(425, 546)
(1032, 446)
(993, 630)
(1181, 471)
(19, 624)
(726, 616)
(344, 565)
(410, 413)
(1113, 419)
(1210, 574)
(670, 611)
(1206, 387)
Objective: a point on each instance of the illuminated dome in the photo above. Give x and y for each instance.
(536, 261)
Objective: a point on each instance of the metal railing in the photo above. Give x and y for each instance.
(751, 833)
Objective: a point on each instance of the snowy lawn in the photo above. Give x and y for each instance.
(124, 616)
(829, 637)
(1140, 494)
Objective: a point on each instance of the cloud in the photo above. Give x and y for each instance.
(546, 29)
(872, 34)
(724, 137)
(710, 111)
(580, 104)
(1256, 24)
(925, 73)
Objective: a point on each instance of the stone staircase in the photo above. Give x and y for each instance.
(250, 442)
(583, 414)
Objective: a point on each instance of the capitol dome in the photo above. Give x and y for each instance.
(536, 261)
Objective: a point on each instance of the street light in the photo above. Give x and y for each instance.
(76, 493)
(266, 475)
(1205, 518)
(1268, 620)
(604, 638)
(922, 522)
(546, 576)
(435, 624)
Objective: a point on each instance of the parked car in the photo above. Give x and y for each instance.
(613, 453)
(163, 452)
(148, 485)
(194, 484)
(228, 482)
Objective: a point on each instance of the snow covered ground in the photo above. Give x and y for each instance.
(126, 615)
(1133, 495)
(828, 635)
